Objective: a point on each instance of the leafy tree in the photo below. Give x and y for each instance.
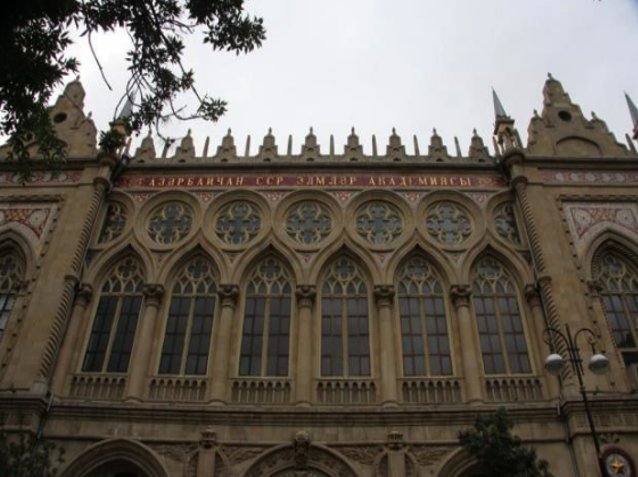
(499, 452)
(34, 37)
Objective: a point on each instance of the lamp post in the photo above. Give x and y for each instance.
(598, 364)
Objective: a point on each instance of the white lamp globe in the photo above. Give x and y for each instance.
(598, 364)
(554, 364)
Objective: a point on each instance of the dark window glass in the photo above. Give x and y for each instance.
(190, 321)
(499, 323)
(115, 322)
(266, 333)
(344, 322)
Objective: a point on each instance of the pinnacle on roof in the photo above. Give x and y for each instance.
(633, 111)
(127, 108)
(499, 110)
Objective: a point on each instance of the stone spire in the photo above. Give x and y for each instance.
(268, 148)
(310, 148)
(353, 149)
(437, 150)
(227, 150)
(633, 111)
(395, 150)
(506, 135)
(186, 150)
(146, 150)
(478, 152)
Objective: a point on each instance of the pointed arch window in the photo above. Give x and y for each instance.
(11, 275)
(619, 295)
(113, 332)
(265, 343)
(190, 321)
(424, 334)
(345, 329)
(499, 321)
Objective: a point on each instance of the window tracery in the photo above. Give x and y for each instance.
(499, 322)
(238, 223)
(378, 222)
(424, 334)
(114, 222)
(190, 321)
(308, 222)
(11, 275)
(115, 320)
(170, 222)
(505, 222)
(448, 223)
(619, 296)
(265, 344)
(345, 335)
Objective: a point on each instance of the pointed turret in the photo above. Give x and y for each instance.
(227, 150)
(146, 151)
(268, 148)
(395, 150)
(353, 149)
(478, 152)
(504, 131)
(633, 111)
(310, 148)
(186, 150)
(436, 150)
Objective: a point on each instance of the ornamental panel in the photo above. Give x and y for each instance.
(170, 222)
(505, 222)
(308, 222)
(448, 223)
(378, 222)
(114, 223)
(238, 223)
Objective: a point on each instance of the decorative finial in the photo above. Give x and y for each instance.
(228, 132)
(394, 131)
(549, 76)
(434, 133)
(633, 111)
(352, 130)
(311, 130)
(270, 131)
(474, 133)
(499, 110)
(189, 132)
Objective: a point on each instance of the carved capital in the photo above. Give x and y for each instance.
(153, 292)
(107, 159)
(460, 295)
(383, 295)
(531, 295)
(101, 183)
(595, 287)
(519, 182)
(208, 439)
(228, 295)
(395, 441)
(83, 294)
(301, 446)
(306, 295)
(544, 282)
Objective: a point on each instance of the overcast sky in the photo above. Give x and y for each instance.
(408, 64)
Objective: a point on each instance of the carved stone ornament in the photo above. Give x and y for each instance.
(228, 294)
(366, 455)
(426, 456)
(153, 292)
(395, 440)
(306, 295)
(532, 294)
(83, 293)
(618, 463)
(238, 454)
(208, 439)
(460, 295)
(383, 294)
(301, 444)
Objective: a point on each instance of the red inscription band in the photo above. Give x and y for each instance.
(314, 180)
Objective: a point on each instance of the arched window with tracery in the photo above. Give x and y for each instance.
(424, 335)
(113, 332)
(265, 342)
(345, 329)
(11, 275)
(189, 322)
(619, 294)
(498, 318)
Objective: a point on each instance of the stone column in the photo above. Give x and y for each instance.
(70, 351)
(470, 352)
(206, 453)
(384, 295)
(228, 295)
(304, 370)
(537, 335)
(396, 454)
(143, 344)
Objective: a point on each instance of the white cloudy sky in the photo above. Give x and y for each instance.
(409, 64)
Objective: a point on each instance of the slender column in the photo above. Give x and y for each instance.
(206, 453)
(70, 351)
(537, 333)
(384, 295)
(304, 370)
(396, 454)
(228, 295)
(143, 344)
(470, 353)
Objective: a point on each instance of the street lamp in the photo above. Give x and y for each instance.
(598, 364)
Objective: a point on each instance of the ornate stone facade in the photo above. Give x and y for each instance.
(319, 314)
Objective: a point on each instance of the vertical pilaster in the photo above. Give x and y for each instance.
(304, 370)
(69, 355)
(383, 297)
(396, 454)
(206, 453)
(228, 295)
(470, 352)
(143, 344)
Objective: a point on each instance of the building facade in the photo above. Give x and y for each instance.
(322, 313)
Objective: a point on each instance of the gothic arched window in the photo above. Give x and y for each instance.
(499, 322)
(190, 321)
(620, 301)
(424, 335)
(11, 274)
(265, 342)
(345, 333)
(115, 320)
